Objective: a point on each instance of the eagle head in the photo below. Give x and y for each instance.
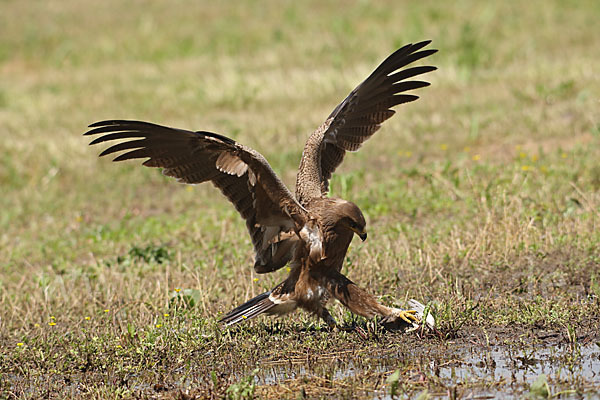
(350, 217)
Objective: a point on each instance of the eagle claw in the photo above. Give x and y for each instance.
(400, 319)
(409, 316)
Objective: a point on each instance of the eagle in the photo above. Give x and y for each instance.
(308, 231)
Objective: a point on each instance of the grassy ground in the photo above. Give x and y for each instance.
(483, 198)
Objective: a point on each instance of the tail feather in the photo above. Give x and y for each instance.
(249, 309)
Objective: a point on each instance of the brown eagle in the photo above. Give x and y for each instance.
(309, 231)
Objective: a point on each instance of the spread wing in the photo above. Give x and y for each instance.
(358, 117)
(243, 175)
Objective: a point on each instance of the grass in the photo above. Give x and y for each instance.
(482, 197)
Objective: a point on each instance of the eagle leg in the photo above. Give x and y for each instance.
(326, 316)
(360, 302)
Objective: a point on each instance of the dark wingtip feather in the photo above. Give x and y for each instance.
(105, 122)
(424, 53)
(116, 134)
(95, 124)
(419, 45)
(130, 155)
(132, 144)
(102, 126)
(97, 140)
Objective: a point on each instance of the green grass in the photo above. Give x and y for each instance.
(482, 198)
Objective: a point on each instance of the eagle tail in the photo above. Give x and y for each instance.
(249, 309)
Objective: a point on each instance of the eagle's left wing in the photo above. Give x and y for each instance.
(358, 117)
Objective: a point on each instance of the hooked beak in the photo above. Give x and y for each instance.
(363, 236)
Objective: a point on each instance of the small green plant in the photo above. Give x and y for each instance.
(150, 253)
(184, 298)
(539, 389)
(244, 389)
(394, 381)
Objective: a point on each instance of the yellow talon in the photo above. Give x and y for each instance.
(409, 316)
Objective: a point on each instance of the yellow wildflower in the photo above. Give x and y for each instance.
(476, 157)
(20, 344)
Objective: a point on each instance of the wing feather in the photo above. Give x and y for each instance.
(240, 173)
(358, 117)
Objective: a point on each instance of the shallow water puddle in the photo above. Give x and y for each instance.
(509, 369)
(468, 372)
(525, 365)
